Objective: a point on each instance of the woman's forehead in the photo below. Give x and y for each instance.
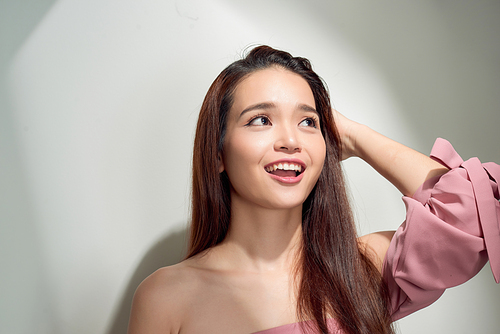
(275, 86)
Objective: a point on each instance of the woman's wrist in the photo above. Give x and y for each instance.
(350, 139)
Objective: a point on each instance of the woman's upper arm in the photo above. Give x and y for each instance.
(375, 246)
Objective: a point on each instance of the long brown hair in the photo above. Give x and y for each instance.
(336, 278)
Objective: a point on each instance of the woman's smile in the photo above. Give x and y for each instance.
(274, 150)
(286, 170)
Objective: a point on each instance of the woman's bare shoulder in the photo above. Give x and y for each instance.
(161, 300)
(167, 281)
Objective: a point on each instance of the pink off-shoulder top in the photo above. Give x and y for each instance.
(452, 229)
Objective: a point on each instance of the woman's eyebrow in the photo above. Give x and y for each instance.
(262, 105)
(306, 107)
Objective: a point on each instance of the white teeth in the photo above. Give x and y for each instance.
(284, 166)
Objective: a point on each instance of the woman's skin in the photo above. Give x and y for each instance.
(246, 283)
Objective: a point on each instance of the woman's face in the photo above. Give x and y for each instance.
(273, 149)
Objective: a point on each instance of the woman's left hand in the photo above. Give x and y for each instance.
(347, 130)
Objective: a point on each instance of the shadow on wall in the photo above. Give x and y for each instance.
(169, 250)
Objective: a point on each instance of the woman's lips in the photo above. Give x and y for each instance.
(287, 179)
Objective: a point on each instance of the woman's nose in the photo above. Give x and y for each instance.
(287, 140)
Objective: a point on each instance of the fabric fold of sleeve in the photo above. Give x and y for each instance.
(452, 229)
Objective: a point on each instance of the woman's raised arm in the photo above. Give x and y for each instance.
(404, 167)
(452, 225)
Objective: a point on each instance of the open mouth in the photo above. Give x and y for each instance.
(284, 169)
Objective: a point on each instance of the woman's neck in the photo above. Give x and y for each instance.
(262, 239)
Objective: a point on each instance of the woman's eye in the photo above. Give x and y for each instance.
(260, 121)
(311, 122)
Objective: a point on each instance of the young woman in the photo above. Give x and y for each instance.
(273, 246)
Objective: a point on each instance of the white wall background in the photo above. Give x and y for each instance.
(98, 104)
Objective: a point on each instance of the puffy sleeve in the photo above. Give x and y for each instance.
(452, 229)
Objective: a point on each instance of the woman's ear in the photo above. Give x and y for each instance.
(221, 163)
